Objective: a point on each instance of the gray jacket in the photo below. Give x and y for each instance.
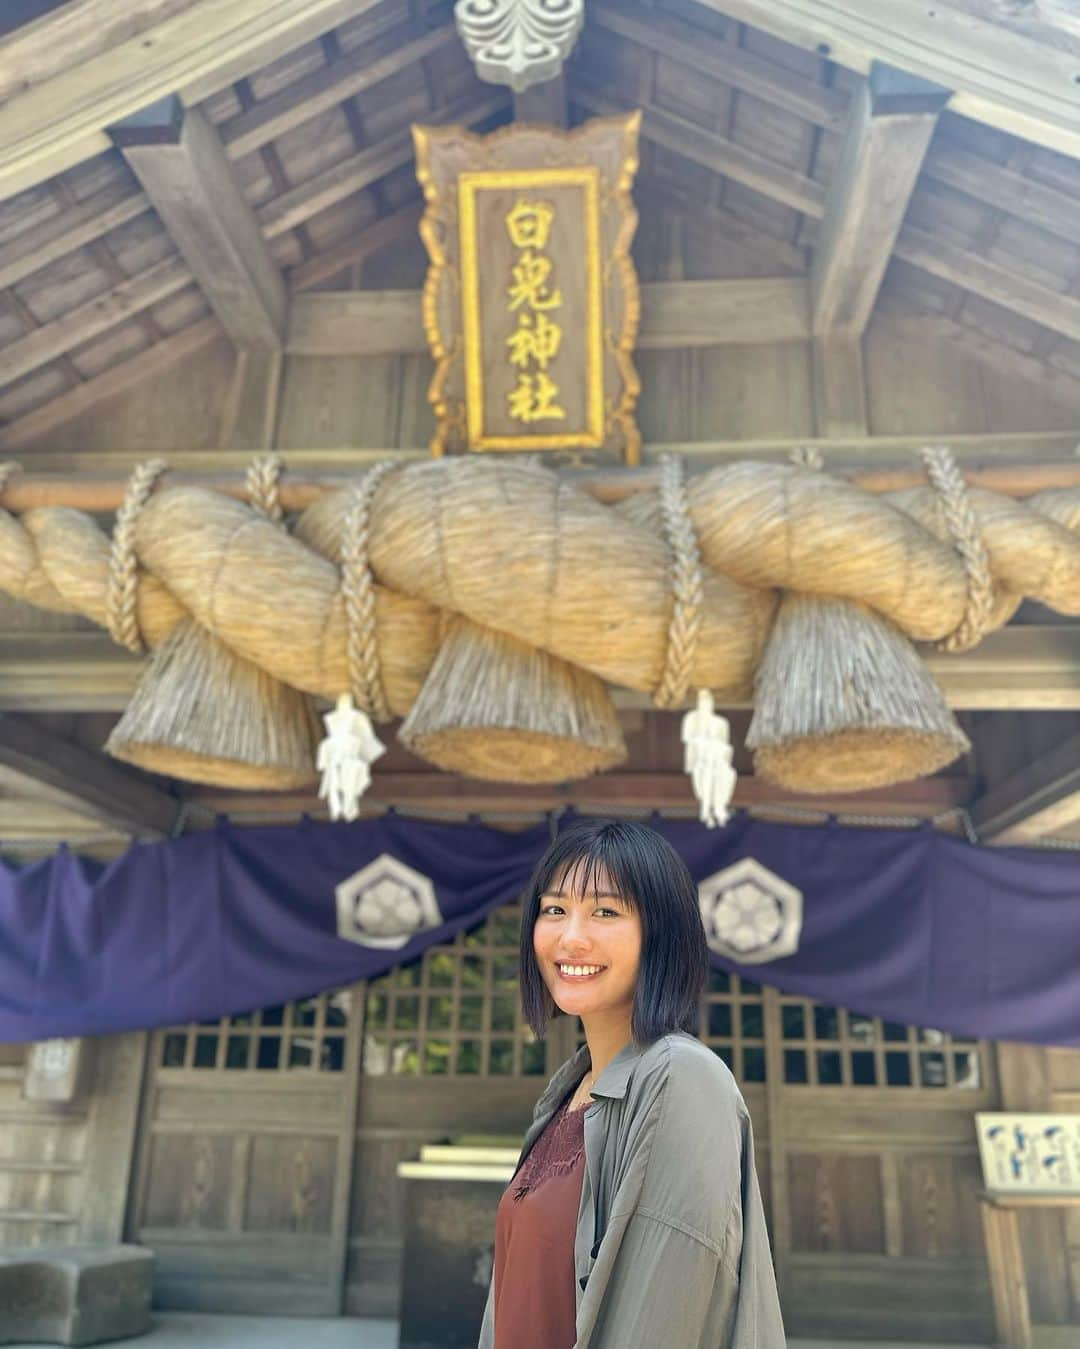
(671, 1247)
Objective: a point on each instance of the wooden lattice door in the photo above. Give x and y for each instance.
(245, 1159)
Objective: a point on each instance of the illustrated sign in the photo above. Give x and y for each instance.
(531, 301)
(1031, 1154)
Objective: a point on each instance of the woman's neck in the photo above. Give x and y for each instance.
(606, 1035)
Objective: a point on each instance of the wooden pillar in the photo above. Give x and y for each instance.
(1023, 1072)
(119, 1064)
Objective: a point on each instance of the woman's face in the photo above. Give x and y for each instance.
(587, 942)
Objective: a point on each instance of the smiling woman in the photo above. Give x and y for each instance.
(634, 1216)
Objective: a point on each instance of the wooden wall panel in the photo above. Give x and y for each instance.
(836, 1203)
(291, 1184)
(177, 410)
(938, 1205)
(190, 1176)
(337, 401)
(921, 379)
(726, 393)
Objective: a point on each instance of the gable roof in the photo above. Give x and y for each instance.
(745, 125)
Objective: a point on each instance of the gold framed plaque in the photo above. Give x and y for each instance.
(530, 304)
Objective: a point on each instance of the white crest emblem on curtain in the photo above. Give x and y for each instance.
(750, 914)
(385, 904)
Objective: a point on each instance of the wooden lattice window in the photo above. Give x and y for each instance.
(731, 1021)
(828, 1047)
(303, 1036)
(456, 1011)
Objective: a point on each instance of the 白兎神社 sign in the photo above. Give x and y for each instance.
(531, 301)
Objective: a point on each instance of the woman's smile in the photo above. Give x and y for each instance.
(578, 973)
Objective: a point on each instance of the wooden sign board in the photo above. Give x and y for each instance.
(531, 300)
(1030, 1154)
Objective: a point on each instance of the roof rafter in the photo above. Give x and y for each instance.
(360, 170)
(1036, 800)
(177, 157)
(715, 152)
(998, 76)
(188, 341)
(739, 68)
(95, 316)
(83, 781)
(61, 120)
(1050, 308)
(323, 89)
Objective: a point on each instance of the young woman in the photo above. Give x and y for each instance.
(634, 1219)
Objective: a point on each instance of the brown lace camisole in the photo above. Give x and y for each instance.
(535, 1282)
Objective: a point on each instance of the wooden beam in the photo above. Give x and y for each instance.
(85, 782)
(659, 791)
(893, 119)
(177, 157)
(95, 316)
(1014, 464)
(360, 170)
(714, 152)
(1034, 802)
(1052, 308)
(61, 119)
(249, 418)
(78, 402)
(276, 217)
(1047, 208)
(840, 404)
(149, 364)
(543, 103)
(654, 31)
(998, 76)
(69, 229)
(324, 89)
(651, 190)
(355, 248)
(1014, 668)
(673, 314)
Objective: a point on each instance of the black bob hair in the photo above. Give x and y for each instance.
(649, 875)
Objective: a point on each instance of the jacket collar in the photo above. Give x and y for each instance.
(612, 1082)
(615, 1078)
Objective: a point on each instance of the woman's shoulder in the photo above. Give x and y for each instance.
(693, 1075)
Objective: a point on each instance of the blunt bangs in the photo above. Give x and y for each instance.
(646, 872)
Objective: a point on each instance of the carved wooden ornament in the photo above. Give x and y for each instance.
(519, 42)
(531, 305)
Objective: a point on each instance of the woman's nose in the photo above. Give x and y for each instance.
(575, 934)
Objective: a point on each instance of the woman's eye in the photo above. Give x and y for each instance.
(552, 910)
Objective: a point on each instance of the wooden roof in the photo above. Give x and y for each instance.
(744, 135)
(858, 157)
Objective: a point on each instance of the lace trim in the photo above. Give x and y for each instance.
(556, 1153)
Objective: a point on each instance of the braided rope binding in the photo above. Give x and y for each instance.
(121, 612)
(358, 588)
(8, 469)
(262, 486)
(955, 502)
(686, 584)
